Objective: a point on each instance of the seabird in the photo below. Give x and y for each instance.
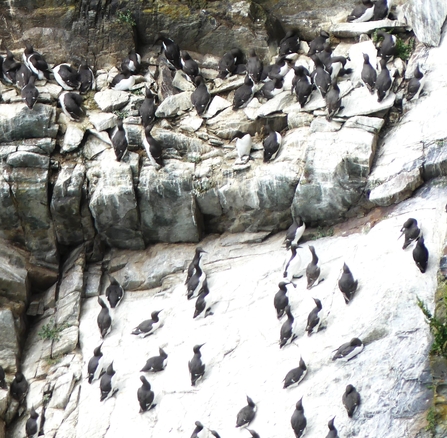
(153, 148)
(313, 270)
(95, 365)
(272, 144)
(295, 376)
(301, 85)
(333, 100)
(348, 350)
(71, 104)
(362, 13)
(420, 254)
(171, 51)
(314, 318)
(119, 140)
(292, 266)
(289, 44)
(254, 66)
(201, 304)
(229, 62)
(384, 81)
(156, 363)
(287, 333)
(271, 88)
(415, 84)
(123, 81)
(195, 365)
(298, 420)
(246, 415)
(244, 94)
(279, 69)
(104, 320)
(19, 387)
(10, 67)
(325, 57)
(411, 230)
(388, 48)
(317, 44)
(214, 433)
(87, 78)
(346, 284)
(338, 64)
(67, 77)
(2, 379)
(381, 10)
(32, 426)
(145, 396)
(333, 433)
(199, 431)
(189, 66)
(294, 232)
(281, 301)
(322, 79)
(254, 434)
(243, 146)
(148, 108)
(200, 97)
(369, 74)
(23, 75)
(107, 384)
(132, 62)
(148, 326)
(35, 62)
(30, 93)
(196, 282)
(196, 259)
(114, 292)
(351, 400)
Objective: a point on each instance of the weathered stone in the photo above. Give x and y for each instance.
(13, 274)
(190, 123)
(73, 137)
(62, 391)
(43, 146)
(9, 345)
(67, 342)
(174, 105)
(111, 100)
(226, 85)
(28, 159)
(53, 90)
(349, 30)
(360, 102)
(297, 119)
(102, 121)
(11, 227)
(320, 124)
(217, 104)
(370, 124)
(94, 146)
(92, 280)
(277, 104)
(435, 160)
(181, 82)
(4, 401)
(185, 144)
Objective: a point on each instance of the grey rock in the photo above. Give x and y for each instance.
(67, 342)
(181, 82)
(62, 391)
(226, 85)
(174, 105)
(360, 102)
(9, 344)
(278, 103)
(350, 30)
(28, 159)
(217, 104)
(43, 146)
(13, 274)
(94, 146)
(297, 119)
(190, 123)
(11, 228)
(370, 124)
(92, 280)
(111, 100)
(435, 160)
(102, 121)
(73, 137)
(320, 124)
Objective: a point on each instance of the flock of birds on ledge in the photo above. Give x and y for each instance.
(262, 81)
(196, 287)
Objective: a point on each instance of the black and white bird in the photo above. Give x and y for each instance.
(281, 300)
(132, 62)
(171, 51)
(156, 363)
(292, 265)
(123, 81)
(272, 144)
(153, 148)
(23, 75)
(246, 415)
(254, 434)
(289, 44)
(317, 44)
(2, 379)
(388, 47)
(415, 84)
(347, 284)
(35, 62)
(243, 147)
(271, 88)
(86, 77)
(199, 431)
(321, 77)
(254, 66)
(214, 433)
(333, 100)
(298, 420)
(30, 93)
(202, 306)
(195, 365)
(189, 66)
(114, 292)
(280, 68)
(333, 433)
(196, 259)
(32, 425)
(420, 254)
(148, 108)
(369, 74)
(295, 232)
(287, 333)
(19, 387)
(67, 77)
(145, 396)
(108, 383)
(119, 140)
(348, 350)
(411, 231)
(196, 282)
(381, 10)
(229, 62)
(351, 400)
(71, 104)
(362, 13)
(296, 375)
(301, 85)
(314, 318)
(384, 81)
(244, 94)
(104, 319)
(200, 97)
(313, 270)
(95, 365)
(148, 326)
(10, 67)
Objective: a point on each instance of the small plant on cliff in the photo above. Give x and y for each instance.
(126, 18)
(404, 50)
(432, 420)
(51, 332)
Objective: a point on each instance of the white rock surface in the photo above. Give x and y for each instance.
(111, 100)
(174, 105)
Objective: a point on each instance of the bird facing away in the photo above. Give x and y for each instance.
(114, 292)
(132, 62)
(32, 426)
(281, 300)
(348, 350)
(314, 318)
(362, 13)
(317, 44)
(388, 48)
(94, 367)
(381, 10)
(272, 144)
(292, 266)
(244, 94)
(171, 51)
(145, 396)
(195, 365)
(287, 333)
(148, 326)
(10, 67)
(119, 140)
(156, 363)
(301, 85)
(246, 415)
(189, 66)
(384, 81)
(153, 148)
(333, 433)
(2, 379)
(411, 231)
(296, 375)
(347, 284)
(313, 270)
(35, 62)
(369, 74)
(415, 84)
(67, 77)
(201, 304)
(228, 63)
(148, 108)
(351, 400)
(298, 420)
(333, 100)
(104, 319)
(87, 78)
(295, 232)
(254, 67)
(71, 104)
(19, 387)
(289, 44)
(200, 97)
(199, 430)
(107, 384)
(420, 254)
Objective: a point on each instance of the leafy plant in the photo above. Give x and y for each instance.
(438, 329)
(432, 419)
(126, 18)
(404, 50)
(51, 332)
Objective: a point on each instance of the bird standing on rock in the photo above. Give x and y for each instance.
(71, 104)
(119, 140)
(200, 97)
(313, 270)
(201, 304)
(229, 62)
(333, 100)
(289, 44)
(171, 51)
(104, 319)
(292, 265)
(95, 365)
(195, 365)
(199, 430)
(317, 44)
(411, 231)
(295, 232)
(384, 81)
(196, 259)
(244, 94)
(123, 81)
(156, 363)
(246, 415)
(314, 318)
(132, 62)
(296, 375)
(369, 74)
(149, 326)
(35, 62)
(67, 77)
(107, 384)
(348, 350)
(148, 108)
(145, 396)
(114, 292)
(86, 77)
(254, 67)
(196, 282)
(272, 144)
(153, 148)
(322, 79)
(388, 48)
(362, 13)
(243, 147)
(287, 333)
(351, 400)
(30, 93)
(420, 254)
(32, 426)
(415, 84)
(189, 66)
(298, 420)
(333, 433)
(19, 387)
(347, 284)
(301, 85)
(281, 300)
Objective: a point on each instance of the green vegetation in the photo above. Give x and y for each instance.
(121, 114)
(126, 18)
(321, 232)
(51, 332)
(432, 419)
(403, 49)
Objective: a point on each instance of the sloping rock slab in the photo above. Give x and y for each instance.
(349, 30)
